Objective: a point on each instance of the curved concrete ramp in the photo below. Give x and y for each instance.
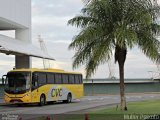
(16, 47)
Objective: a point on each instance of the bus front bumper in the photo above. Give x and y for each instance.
(26, 98)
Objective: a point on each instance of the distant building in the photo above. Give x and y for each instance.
(108, 86)
(111, 86)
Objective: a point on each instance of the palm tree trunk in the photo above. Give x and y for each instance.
(120, 56)
(122, 88)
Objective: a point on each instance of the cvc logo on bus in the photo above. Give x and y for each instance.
(56, 92)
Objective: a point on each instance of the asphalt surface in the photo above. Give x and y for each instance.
(86, 104)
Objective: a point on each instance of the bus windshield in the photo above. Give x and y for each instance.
(17, 82)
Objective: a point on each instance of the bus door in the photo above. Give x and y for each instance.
(35, 92)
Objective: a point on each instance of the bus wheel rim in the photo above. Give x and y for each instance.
(42, 100)
(69, 98)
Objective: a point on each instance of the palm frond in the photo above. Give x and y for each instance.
(149, 44)
(106, 24)
(86, 35)
(82, 21)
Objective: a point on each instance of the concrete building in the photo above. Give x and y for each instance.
(16, 15)
(111, 86)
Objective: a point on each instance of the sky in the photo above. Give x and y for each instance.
(49, 19)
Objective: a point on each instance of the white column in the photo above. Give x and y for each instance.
(23, 61)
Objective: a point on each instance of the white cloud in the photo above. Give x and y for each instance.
(50, 21)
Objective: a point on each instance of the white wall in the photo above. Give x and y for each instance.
(16, 15)
(18, 11)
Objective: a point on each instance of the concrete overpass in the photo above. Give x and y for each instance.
(16, 15)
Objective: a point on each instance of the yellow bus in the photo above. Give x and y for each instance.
(42, 86)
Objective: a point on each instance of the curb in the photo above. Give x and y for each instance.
(3, 104)
(125, 93)
(92, 108)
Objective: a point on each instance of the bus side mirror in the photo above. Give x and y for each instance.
(3, 79)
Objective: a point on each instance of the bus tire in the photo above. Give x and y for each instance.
(69, 98)
(42, 100)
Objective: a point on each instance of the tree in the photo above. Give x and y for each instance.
(109, 26)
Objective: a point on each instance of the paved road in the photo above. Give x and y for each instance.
(86, 103)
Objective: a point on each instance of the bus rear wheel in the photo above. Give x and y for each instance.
(69, 98)
(42, 100)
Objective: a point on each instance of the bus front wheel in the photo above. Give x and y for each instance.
(42, 100)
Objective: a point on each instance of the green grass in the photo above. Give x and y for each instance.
(144, 107)
(134, 108)
(138, 109)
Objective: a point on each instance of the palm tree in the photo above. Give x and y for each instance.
(113, 26)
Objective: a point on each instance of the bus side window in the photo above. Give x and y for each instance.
(64, 78)
(50, 78)
(77, 81)
(42, 78)
(80, 79)
(71, 79)
(58, 78)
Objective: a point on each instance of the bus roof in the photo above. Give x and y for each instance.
(43, 70)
